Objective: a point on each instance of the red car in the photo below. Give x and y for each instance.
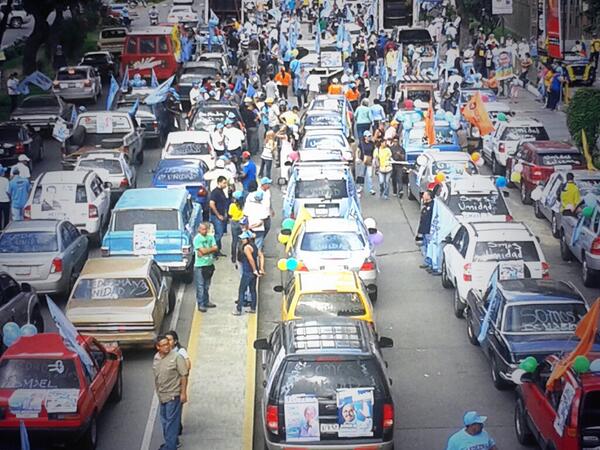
(567, 418)
(46, 385)
(539, 159)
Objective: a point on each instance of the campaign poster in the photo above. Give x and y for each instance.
(511, 270)
(144, 239)
(504, 71)
(62, 400)
(553, 28)
(355, 412)
(502, 7)
(302, 418)
(104, 124)
(26, 403)
(331, 59)
(564, 406)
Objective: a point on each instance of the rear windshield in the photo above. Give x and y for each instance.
(72, 74)
(323, 378)
(39, 102)
(329, 104)
(111, 289)
(325, 142)
(486, 96)
(543, 318)
(477, 204)
(414, 36)
(177, 175)
(9, 134)
(125, 220)
(454, 167)
(204, 71)
(38, 374)
(442, 136)
(505, 251)
(591, 184)
(323, 121)
(334, 304)
(321, 242)
(418, 94)
(28, 242)
(113, 166)
(591, 410)
(530, 133)
(92, 59)
(58, 196)
(559, 159)
(209, 118)
(112, 34)
(189, 148)
(325, 189)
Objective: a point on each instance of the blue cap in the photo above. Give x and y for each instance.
(238, 195)
(219, 126)
(228, 122)
(266, 180)
(230, 115)
(247, 235)
(244, 221)
(472, 417)
(2, 170)
(194, 83)
(258, 196)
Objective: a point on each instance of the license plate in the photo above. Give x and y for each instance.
(329, 428)
(72, 85)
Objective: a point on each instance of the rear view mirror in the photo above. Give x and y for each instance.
(26, 287)
(262, 344)
(278, 288)
(386, 342)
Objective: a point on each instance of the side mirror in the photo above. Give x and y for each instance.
(26, 287)
(448, 239)
(107, 185)
(386, 342)
(278, 288)
(262, 344)
(505, 193)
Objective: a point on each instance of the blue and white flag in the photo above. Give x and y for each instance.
(40, 80)
(354, 210)
(213, 21)
(348, 47)
(577, 230)
(154, 80)
(318, 37)
(383, 78)
(294, 35)
(134, 108)
(370, 17)
(283, 43)
(159, 94)
(494, 301)
(24, 436)
(73, 114)
(112, 92)
(276, 14)
(349, 16)
(436, 60)
(442, 224)
(400, 63)
(341, 34)
(125, 81)
(326, 11)
(23, 87)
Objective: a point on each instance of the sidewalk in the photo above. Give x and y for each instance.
(219, 414)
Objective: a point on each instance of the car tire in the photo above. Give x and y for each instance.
(554, 226)
(589, 276)
(140, 158)
(470, 331)
(89, 440)
(373, 297)
(188, 276)
(117, 391)
(172, 299)
(537, 211)
(16, 22)
(524, 434)
(446, 283)
(411, 196)
(565, 251)
(496, 167)
(458, 305)
(499, 383)
(525, 195)
(37, 320)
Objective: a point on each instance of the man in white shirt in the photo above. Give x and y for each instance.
(253, 210)
(4, 199)
(271, 90)
(314, 86)
(23, 166)
(217, 138)
(194, 94)
(234, 139)
(12, 86)
(219, 170)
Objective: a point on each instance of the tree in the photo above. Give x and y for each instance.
(593, 15)
(6, 9)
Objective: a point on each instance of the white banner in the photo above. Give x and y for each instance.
(502, 7)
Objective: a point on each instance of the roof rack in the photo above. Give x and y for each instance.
(497, 223)
(337, 335)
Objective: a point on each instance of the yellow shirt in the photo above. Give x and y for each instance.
(383, 155)
(290, 118)
(570, 197)
(235, 212)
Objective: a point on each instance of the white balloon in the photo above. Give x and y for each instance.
(518, 168)
(421, 160)
(480, 162)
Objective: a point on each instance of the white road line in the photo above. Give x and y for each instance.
(147, 439)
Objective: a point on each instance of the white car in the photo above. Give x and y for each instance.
(190, 145)
(17, 16)
(473, 250)
(216, 56)
(77, 196)
(328, 145)
(182, 13)
(503, 142)
(112, 167)
(78, 83)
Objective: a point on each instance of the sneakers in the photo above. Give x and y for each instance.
(424, 266)
(211, 305)
(372, 192)
(202, 309)
(236, 312)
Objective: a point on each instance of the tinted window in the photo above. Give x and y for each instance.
(28, 242)
(111, 289)
(442, 136)
(65, 236)
(164, 219)
(72, 74)
(336, 304)
(454, 167)
(325, 189)
(486, 96)
(320, 242)
(413, 36)
(9, 134)
(163, 47)
(505, 251)
(10, 287)
(558, 159)
(175, 175)
(543, 318)
(477, 204)
(113, 166)
(94, 59)
(39, 102)
(111, 34)
(586, 186)
(132, 45)
(148, 45)
(323, 121)
(207, 119)
(318, 142)
(38, 374)
(416, 94)
(531, 133)
(189, 148)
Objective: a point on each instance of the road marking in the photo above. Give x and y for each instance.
(147, 439)
(250, 391)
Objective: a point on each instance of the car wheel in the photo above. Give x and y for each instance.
(37, 320)
(496, 167)
(140, 158)
(499, 382)
(554, 226)
(470, 331)
(117, 391)
(171, 301)
(565, 251)
(446, 283)
(90, 438)
(16, 22)
(411, 196)
(588, 275)
(373, 297)
(459, 306)
(525, 195)
(537, 211)
(524, 434)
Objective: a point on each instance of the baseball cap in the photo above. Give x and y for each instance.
(366, 133)
(228, 122)
(472, 417)
(258, 196)
(23, 158)
(266, 180)
(220, 164)
(245, 154)
(219, 126)
(269, 100)
(237, 195)
(247, 235)
(230, 115)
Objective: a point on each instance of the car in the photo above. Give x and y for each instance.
(537, 160)
(46, 254)
(414, 140)
(42, 111)
(207, 116)
(102, 61)
(113, 168)
(502, 143)
(324, 120)
(18, 139)
(565, 417)
(476, 198)
(578, 69)
(121, 299)
(187, 174)
(324, 145)
(527, 317)
(421, 176)
(155, 221)
(494, 109)
(20, 304)
(150, 48)
(111, 39)
(474, 249)
(547, 194)
(190, 145)
(466, 93)
(325, 294)
(78, 83)
(17, 16)
(335, 244)
(407, 35)
(337, 103)
(146, 116)
(325, 190)
(80, 197)
(182, 14)
(220, 57)
(45, 385)
(103, 130)
(346, 355)
(194, 72)
(422, 88)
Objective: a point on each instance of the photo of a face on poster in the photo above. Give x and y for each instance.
(355, 412)
(302, 418)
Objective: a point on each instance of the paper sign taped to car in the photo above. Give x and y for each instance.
(355, 412)
(302, 418)
(144, 239)
(62, 400)
(27, 403)
(563, 408)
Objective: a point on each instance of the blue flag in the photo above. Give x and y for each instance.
(276, 14)
(40, 80)
(154, 80)
(492, 306)
(24, 436)
(318, 37)
(341, 33)
(125, 81)
(348, 47)
(73, 114)
(349, 15)
(112, 92)
(213, 21)
(326, 11)
(134, 108)
(159, 94)
(442, 224)
(370, 17)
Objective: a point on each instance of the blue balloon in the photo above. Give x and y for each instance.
(11, 328)
(28, 329)
(416, 117)
(291, 264)
(501, 182)
(440, 114)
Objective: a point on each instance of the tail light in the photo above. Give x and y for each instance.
(572, 432)
(186, 249)
(367, 265)
(388, 416)
(27, 212)
(104, 251)
(56, 85)
(508, 218)
(155, 125)
(92, 212)
(124, 183)
(501, 148)
(202, 191)
(57, 265)
(272, 419)
(595, 247)
(467, 272)
(87, 83)
(545, 270)
(536, 174)
(19, 148)
(126, 149)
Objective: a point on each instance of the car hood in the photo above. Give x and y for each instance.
(35, 112)
(109, 311)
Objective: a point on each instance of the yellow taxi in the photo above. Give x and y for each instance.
(325, 294)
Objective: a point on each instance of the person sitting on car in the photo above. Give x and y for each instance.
(570, 196)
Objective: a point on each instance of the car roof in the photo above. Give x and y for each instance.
(99, 52)
(184, 137)
(179, 162)
(322, 112)
(64, 176)
(473, 183)
(102, 113)
(447, 156)
(334, 224)
(43, 345)
(534, 290)
(32, 225)
(211, 55)
(500, 231)
(438, 124)
(116, 267)
(551, 146)
(151, 198)
(144, 31)
(330, 335)
(78, 66)
(115, 154)
(327, 281)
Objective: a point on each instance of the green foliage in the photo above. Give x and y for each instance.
(72, 35)
(584, 113)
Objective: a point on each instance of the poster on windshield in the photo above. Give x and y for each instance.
(511, 270)
(62, 400)
(56, 198)
(331, 59)
(355, 412)
(26, 403)
(60, 132)
(302, 418)
(144, 239)
(104, 124)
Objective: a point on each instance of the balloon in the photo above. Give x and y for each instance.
(376, 238)
(440, 177)
(283, 238)
(281, 264)
(595, 365)
(518, 168)
(501, 182)
(529, 364)
(440, 114)
(10, 333)
(480, 162)
(475, 156)
(421, 160)
(288, 224)
(588, 211)
(515, 177)
(294, 156)
(28, 329)
(291, 264)
(581, 364)
(455, 124)
(501, 117)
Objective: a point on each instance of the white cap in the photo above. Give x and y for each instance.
(370, 223)
(23, 158)
(220, 164)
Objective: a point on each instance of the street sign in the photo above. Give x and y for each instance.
(502, 7)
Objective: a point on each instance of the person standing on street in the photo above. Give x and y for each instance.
(302, 88)
(12, 86)
(251, 120)
(570, 196)
(218, 204)
(472, 436)
(4, 199)
(248, 174)
(205, 247)
(382, 158)
(362, 118)
(236, 213)
(252, 262)
(398, 157)
(170, 381)
(283, 80)
(314, 86)
(367, 147)
(18, 189)
(425, 227)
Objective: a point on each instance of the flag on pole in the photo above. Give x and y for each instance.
(153, 80)
(586, 151)
(24, 436)
(73, 114)
(430, 125)
(475, 113)
(318, 36)
(400, 63)
(160, 93)
(125, 81)
(339, 39)
(112, 92)
(134, 108)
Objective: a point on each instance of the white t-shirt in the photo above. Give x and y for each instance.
(314, 83)
(12, 86)
(4, 198)
(23, 169)
(218, 140)
(254, 211)
(234, 138)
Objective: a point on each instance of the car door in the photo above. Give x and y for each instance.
(455, 253)
(161, 288)
(489, 142)
(518, 157)
(79, 248)
(99, 385)
(68, 248)
(288, 298)
(551, 193)
(587, 235)
(16, 302)
(478, 308)
(102, 200)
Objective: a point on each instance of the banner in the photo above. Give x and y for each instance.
(504, 71)
(24, 436)
(160, 93)
(355, 412)
(40, 80)
(154, 80)
(554, 28)
(443, 222)
(125, 81)
(475, 113)
(318, 36)
(60, 132)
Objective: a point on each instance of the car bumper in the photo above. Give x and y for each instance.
(75, 94)
(89, 228)
(114, 49)
(50, 286)
(329, 446)
(124, 338)
(9, 432)
(175, 266)
(38, 123)
(593, 261)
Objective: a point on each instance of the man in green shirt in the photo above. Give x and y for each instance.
(205, 247)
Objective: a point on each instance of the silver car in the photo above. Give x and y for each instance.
(46, 254)
(112, 167)
(78, 83)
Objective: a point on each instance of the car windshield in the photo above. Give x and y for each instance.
(72, 75)
(560, 159)
(113, 166)
(442, 136)
(36, 373)
(111, 289)
(9, 134)
(329, 104)
(329, 120)
(189, 148)
(454, 167)
(325, 142)
(492, 204)
(325, 189)
(418, 94)
(505, 251)
(525, 133)
(202, 72)
(334, 304)
(39, 102)
(178, 175)
(323, 378)
(97, 58)
(543, 318)
(112, 34)
(207, 119)
(126, 219)
(28, 242)
(332, 241)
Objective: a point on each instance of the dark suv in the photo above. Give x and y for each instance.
(326, 386)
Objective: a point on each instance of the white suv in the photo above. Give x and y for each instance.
(474, 249)
(77, 196)
(503, 142)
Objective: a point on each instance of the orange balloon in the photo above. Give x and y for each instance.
(440, 177)
(475, 156)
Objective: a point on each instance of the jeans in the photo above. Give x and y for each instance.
(553, 99)
(170, 419)
(369, 178)
(265, 168)
(4, 214)
(248, 281)
(424, 245)
(372, 68)
(384, 183)
(397, 179)
(302, 97)
(283, 91)
(361, 128)
(16, 213)
(236, 230)
(219, 229)
(360, 68)
(202, 287)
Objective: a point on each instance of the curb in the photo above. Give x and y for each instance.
(250, 389)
